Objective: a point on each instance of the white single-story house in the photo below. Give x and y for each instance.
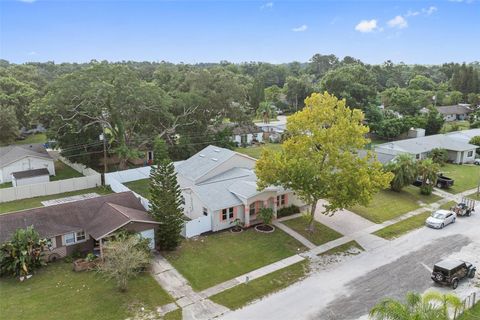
(17, 158)
(242, 134)
(456, 112)
(459, 150)
(33, 176)
(221, 184)
(273, 130)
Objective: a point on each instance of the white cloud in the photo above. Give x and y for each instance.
(412, 13)
(27, 1)
(302, 28)
(398, 22)
(366, 26)
(32, 53)
(430, 10)
(267, 5)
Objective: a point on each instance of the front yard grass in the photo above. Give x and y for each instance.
(466, 176)
(56, 292)
(140, 186)
(209, 260)
(320, 235)
(400, 228)
(256, 151)
(62, 172)
(37, 201)
(448, 205)
(388, 204)
(474, 196)
(244, 293)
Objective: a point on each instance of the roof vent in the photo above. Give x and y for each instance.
(216, 150)
(214, 159)
(201, 155)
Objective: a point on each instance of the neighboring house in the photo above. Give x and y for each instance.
(220, 185)
(242, 134)
(273, 130)
(24, 157)
(459, 150)
(456, 112)
(23, 178)
(83, 225)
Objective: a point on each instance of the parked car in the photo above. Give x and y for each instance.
(450, 272)
(442, 182)
(477, 161)
(441, 218)
(462, 209)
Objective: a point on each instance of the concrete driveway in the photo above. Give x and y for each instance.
(348, 290)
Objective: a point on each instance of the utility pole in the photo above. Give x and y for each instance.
(102, 137)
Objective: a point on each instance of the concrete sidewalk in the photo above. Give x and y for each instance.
(294, 234)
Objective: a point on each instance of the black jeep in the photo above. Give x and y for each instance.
(450, 272)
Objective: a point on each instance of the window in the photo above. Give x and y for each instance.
(80, 236)
(417, 156)
(205, 211)
(252, 208)
(470, 153)
(69, 238)
(281, 200)
(227, 213)
(150, 155)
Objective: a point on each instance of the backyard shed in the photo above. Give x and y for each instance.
(22, 178)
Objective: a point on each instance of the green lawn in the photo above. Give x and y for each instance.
(466, 176)
(140, 186)
(242, 294)
(474, 196)
(455, 126)
(256, 151)
(448, 205)
(36, 202)
(6, 185)
(472, 314)
(174, 315)
(33, 138)
(56, 292)
(397, 229)
(320, 235)
(62, 172)
(209, 260)
(341, 249)
(389, 204)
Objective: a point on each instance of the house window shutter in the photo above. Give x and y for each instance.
(234, 213)
(286, 199)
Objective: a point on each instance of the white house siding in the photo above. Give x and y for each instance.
(250, 137)
(219, 224)
(30, 180)
(27, 163)
(193, 207)
(236, 161)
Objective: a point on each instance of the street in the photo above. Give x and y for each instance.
(349, 289)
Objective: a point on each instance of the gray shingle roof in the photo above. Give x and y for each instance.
(202, 162)
(425, 144)
(456, 109)
(15, 152)
(31, 173)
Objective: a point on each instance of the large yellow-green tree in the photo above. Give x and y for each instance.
(319, 158)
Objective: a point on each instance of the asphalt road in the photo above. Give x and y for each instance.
(408, 273)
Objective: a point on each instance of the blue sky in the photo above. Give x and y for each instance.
(210, 31)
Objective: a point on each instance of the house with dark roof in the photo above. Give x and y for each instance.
(83, 225)
(456, 112)
(220, 186)
(24, 157)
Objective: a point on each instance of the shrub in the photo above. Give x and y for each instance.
(439, 155)
(266, 214)
(287, 211)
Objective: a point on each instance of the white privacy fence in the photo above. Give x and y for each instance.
(116, 179)
(92, 179)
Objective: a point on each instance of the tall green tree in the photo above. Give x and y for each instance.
(166, 204)
(428, 171)
(8, 125)
(404, 169)
(353, 82)
(434, 122)
(318, 160)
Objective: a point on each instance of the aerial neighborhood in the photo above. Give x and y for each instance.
(314, 186)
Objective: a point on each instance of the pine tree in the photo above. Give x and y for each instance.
(165, 204)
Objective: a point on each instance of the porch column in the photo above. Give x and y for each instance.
(247, 214)
(101, 248)
(274, 200)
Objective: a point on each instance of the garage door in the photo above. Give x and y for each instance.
(149, 234)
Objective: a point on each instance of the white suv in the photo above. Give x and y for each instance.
(441, 218)
(477, 161)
